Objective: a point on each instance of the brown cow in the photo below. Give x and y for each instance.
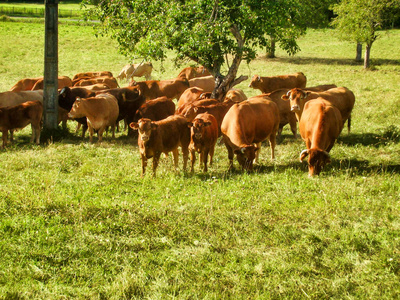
(207, 83)
(152, 89)
(320, 126)
(19, 116)
(164, 136)
(110, 81)
(245, 126)
(190, 105)
(63, 81)
(203, 137)
(272, 83)
(136, 70)
(190, 95)
(155, 110)
(92, 75)
(191, 72)
(100, 111)
(340, 97)
(236, 95)
(25, 84)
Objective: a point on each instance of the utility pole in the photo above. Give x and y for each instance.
(50, 89)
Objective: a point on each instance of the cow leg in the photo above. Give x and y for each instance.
(175, 154)
(11, 135)
(84, 129)
(205, 157)
(230, 155)
(192, 159)
(293, 127)
(91, 131)
(4, 137)
(258, 145)
(201, 159)
(78, 126)
(156, 159)
(100, 133)
(185, 152)
(272, 144)
(212, 154)
(113, 130)
(144, 164)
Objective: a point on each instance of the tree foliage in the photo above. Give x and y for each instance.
(213, 33)
(360, 20)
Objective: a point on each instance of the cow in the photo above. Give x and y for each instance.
(25, 84)
(203, 137)
(245, 126)
(67, 97)
(155, 110)
(11, 98)
(129, 101)
(236, 95)
(136, 70)
(63, 81)
(191, 72)
(164, 136)
(109, 81)
(19, 116)
(152, 89)
(184, 109)
(272, 83)
(217, 110)
(341, 97)
(97, 87)
(100, 111)
(320, 125)
(192, 94)
(92, 75)
(207, 83)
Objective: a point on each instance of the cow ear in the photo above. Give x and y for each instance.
(134, 125)
(303, 154)
(286, 97)
(258, 78)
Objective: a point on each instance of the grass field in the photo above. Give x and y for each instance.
(78, 222)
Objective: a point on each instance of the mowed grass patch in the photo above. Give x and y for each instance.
(77, 220)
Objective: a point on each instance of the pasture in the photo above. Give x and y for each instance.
(78, 222)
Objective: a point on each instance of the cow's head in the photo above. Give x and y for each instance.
(297, 98)
(246, 155)
(254, 81)
(145, 127)
(76, 110)
(197, 128)
(316, 161)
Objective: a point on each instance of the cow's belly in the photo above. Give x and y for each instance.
(97, 124)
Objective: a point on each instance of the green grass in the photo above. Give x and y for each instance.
(78, 222)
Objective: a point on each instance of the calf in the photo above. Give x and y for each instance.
(155, 110)
(100, 111)
(207, 83)
(341, 97)
(156, 137)
(203, 137)
(152, 89)
(245, 126)
(272, 83)
(320, 126)
(19, 116)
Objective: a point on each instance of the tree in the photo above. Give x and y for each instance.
(217, 34)
(360, 20)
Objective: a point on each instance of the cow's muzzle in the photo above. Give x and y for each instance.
(295, 108)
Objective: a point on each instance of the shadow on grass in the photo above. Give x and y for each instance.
(332, 61)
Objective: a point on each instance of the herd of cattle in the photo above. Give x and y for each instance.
(195, 122)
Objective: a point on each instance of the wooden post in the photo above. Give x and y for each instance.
(50, 90)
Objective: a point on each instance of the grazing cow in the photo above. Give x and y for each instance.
(340, 97)
(110, 81)
(156, 109)
(236, 95)
(63, 81)
(272, 83)
(191, 72)
(245, 126)
(19, 116)
(192, 94)
(92, 75)
(164, 136)
(203, 137)
(152, 89)
(136, 70)
(100, 111)
(207, 83)
(320, 126)
(67, 97)
(25, 84)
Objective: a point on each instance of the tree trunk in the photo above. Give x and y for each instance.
(367, 54)
(271, 48)
(359, 51)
